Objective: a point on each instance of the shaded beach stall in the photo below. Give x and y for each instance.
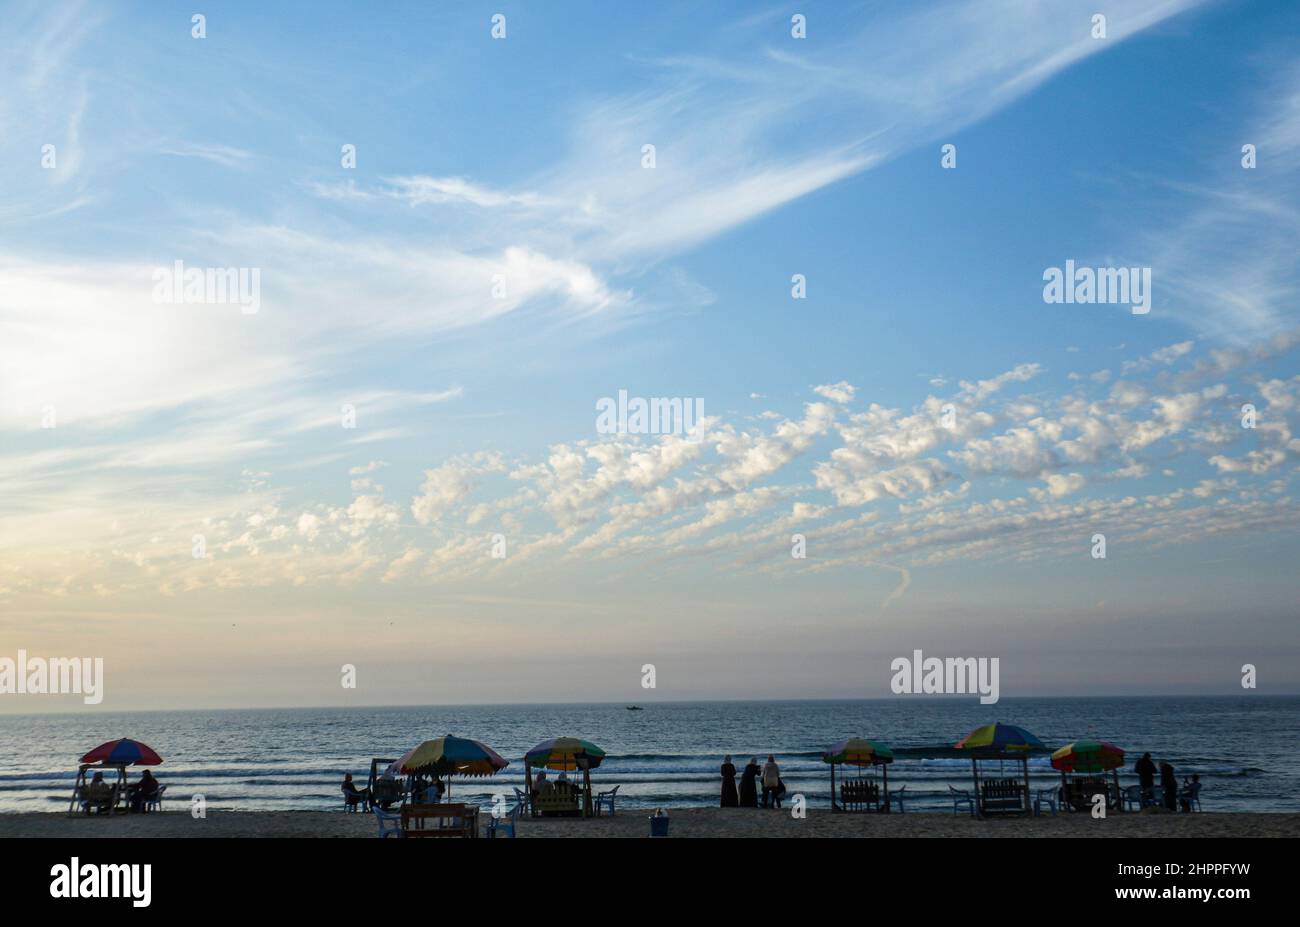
(562, 754)
(860, 793)
(449, 756)
(1083, 765)
(1000, 742)
(113, 755)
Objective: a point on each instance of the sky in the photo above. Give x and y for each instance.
(394, 463)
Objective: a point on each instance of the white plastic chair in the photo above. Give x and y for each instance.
(897, 798)
(390, 825)
(961, 797)
(1045, 797)
(606, 799)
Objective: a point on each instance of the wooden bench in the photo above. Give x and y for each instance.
(860, 795)
(558, 801)
(440, 820)
(1002, 796)
(1079, 793)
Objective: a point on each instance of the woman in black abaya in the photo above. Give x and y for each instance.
(729, 799)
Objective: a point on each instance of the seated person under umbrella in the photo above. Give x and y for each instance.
(140, 793)
(99, 794)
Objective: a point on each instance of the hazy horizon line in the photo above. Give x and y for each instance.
(698, 701)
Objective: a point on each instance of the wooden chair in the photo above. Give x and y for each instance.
(440, 820)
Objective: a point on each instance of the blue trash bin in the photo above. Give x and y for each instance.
(659, 825)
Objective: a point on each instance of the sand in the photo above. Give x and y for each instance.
(685, 822)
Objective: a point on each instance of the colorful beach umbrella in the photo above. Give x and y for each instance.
(565, 753)
(858, 751)
(1088, 756)
(123, 752)
(452, 756)
(999, 738)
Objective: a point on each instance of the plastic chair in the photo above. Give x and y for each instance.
(522, 799)
(154, 801)
(390, 825)
(961, 797)
(497, 826)
(1045, 797)
(606, 799)
(1191, 795)
(897, 798)
(352, 801)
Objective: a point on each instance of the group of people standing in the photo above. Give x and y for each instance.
(1170, 792)
(767, 777)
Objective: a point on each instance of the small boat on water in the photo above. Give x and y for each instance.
(634, 708)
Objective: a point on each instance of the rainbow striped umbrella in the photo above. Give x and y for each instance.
(1088, 756)
(565, 753)
(123, 753)
(452, 756)
(1000, 738)
(857, 751)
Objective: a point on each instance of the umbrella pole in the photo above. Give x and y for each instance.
(834, 807)
(1024, 764)
(975, 775)
(528, 787)
(586, 793)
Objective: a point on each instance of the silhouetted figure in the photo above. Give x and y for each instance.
(1169, 785)
(1191, 792)
(749, 785)
(351, 793)
(142, 791)
(729, 796)
(1146, 773)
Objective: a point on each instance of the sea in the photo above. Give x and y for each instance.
(1245, 748)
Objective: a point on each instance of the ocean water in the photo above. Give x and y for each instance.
(1246, 749)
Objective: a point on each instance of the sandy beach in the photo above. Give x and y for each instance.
(686, 822)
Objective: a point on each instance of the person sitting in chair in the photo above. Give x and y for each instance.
(140, 793)
(98, 796)
(351, 794)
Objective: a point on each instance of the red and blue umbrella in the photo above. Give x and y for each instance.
(123, 752)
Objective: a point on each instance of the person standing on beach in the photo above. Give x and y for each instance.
(749, 785)
(771, 782)
(1169, 785)
(1146, 773)
(729, 797)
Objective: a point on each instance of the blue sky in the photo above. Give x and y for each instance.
(522, 157)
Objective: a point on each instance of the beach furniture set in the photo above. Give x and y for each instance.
(112, 758)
